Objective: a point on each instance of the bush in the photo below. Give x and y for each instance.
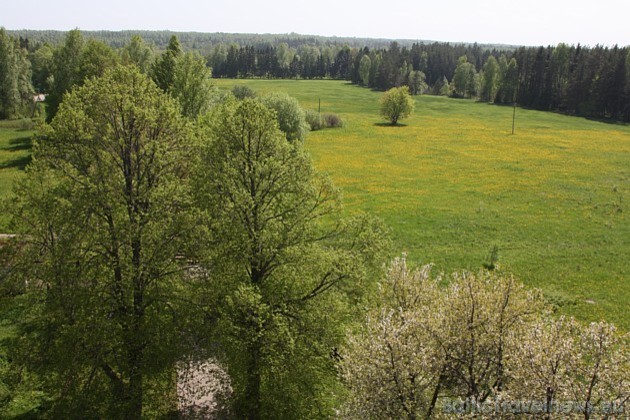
(241, 92)
(313, 119)
(332, 121)
(291, 118)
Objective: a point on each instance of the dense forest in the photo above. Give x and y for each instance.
(585, 81)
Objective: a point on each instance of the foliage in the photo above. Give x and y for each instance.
(481, 189)
(313, 119)
(490, 81)
(364, 70)
(509, 83)
(480, 339)
(332, 120)
(289, 113)
(243, 91)
(282, 269)
(396, 103)
(16, 91)
(185, 77)
(137, 52)
(65, 71)
(192, 85)
(416, 82)
(163, 69)
(464, 79)
(560, 359)
(105, 213)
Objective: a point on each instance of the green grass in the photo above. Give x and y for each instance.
(15, 154)
(453, 182)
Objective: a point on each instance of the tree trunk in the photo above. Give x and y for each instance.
(250, 404)
(134, 408)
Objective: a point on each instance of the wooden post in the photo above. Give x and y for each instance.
(513, 117)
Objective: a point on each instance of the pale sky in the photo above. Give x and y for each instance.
(519, 22)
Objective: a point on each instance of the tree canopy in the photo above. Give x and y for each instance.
(283, 265)
(396, 103)
(105, 211)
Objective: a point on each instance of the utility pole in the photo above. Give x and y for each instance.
(513, 117)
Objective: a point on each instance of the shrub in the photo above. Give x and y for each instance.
(241, 92)
(289, 113)
(314, 120)
(332, 121)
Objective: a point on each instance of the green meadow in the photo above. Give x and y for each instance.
(452, 182)
(15, 154)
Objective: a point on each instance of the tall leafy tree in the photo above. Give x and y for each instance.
(96, 58)
(364, 70)
(416, 80)
(105, 214)
(15, 78)
(139, 53)
(464, 77)
(66, 71)
(192, 85)
(281, 275)
(163, 69)
(41, 62)
(490, 81)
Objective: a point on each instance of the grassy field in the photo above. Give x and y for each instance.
(453, 183)
(15, 154)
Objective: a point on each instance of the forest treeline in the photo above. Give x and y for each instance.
(584, 81)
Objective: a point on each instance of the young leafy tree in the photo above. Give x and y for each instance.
(104, 214)
(290, 115)
(364, 69)
(491, 79)
(417, 82)
(137, 52)
(281, 269)
(66, 71)
(15, 78)
(464, 78)
(192, 85)
(396, 103)
(509, 83)
(163, 69)
(96, 58)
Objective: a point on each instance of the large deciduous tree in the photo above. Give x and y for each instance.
(491, 79)
(66, 71)
(192, 85)
(138, 53)
(185, 77)
(104, 214)
(364, 70)
(15, 78)
(396, 103)
(464, 78)
(282, 269)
